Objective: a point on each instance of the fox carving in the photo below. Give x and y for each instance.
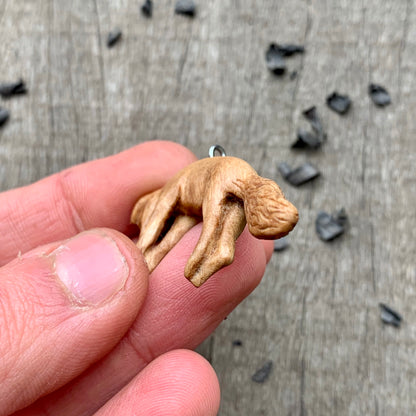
(225, 193)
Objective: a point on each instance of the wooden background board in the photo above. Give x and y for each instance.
(204, 81)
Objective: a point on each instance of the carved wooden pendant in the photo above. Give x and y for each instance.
(223, 192)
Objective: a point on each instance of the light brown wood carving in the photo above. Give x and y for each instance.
(224, 192)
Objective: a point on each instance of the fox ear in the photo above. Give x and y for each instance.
(257, 187)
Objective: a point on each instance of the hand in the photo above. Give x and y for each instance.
(83, 329)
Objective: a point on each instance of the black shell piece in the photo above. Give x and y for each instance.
(275, 60)
(338, 103)
(281, 244)
(262, 374)
(390, 316)
(302, 174)
(185, 7)
(311, 139)
(113, 37)
(289, 49)
(328, 227)
(311, 114)
(306, 139)
(379, 95)
(12, 88)
(147, 8)
(4, 116)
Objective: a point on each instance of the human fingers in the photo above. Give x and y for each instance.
(100, 193)
(62, 307)
(175, 315)
(178, 383)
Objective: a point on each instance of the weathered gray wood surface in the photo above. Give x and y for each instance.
(204, 81)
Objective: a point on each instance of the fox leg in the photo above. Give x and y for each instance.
(154, 254)
(216, 246)
(156, 214)
(143, 208)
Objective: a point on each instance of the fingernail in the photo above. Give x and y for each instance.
(91, 267)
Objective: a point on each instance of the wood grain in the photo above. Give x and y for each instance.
(204, 81)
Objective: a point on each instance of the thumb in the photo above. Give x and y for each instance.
(62, 307)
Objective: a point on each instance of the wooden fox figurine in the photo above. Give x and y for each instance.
(226, 194)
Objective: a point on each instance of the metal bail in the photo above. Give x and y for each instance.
(216, 148)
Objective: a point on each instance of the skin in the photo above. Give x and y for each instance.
(132, 354)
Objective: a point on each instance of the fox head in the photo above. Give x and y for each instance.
(268, 213)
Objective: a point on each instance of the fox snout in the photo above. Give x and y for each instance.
(287, 218)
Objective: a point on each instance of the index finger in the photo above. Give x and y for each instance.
(100, 193)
